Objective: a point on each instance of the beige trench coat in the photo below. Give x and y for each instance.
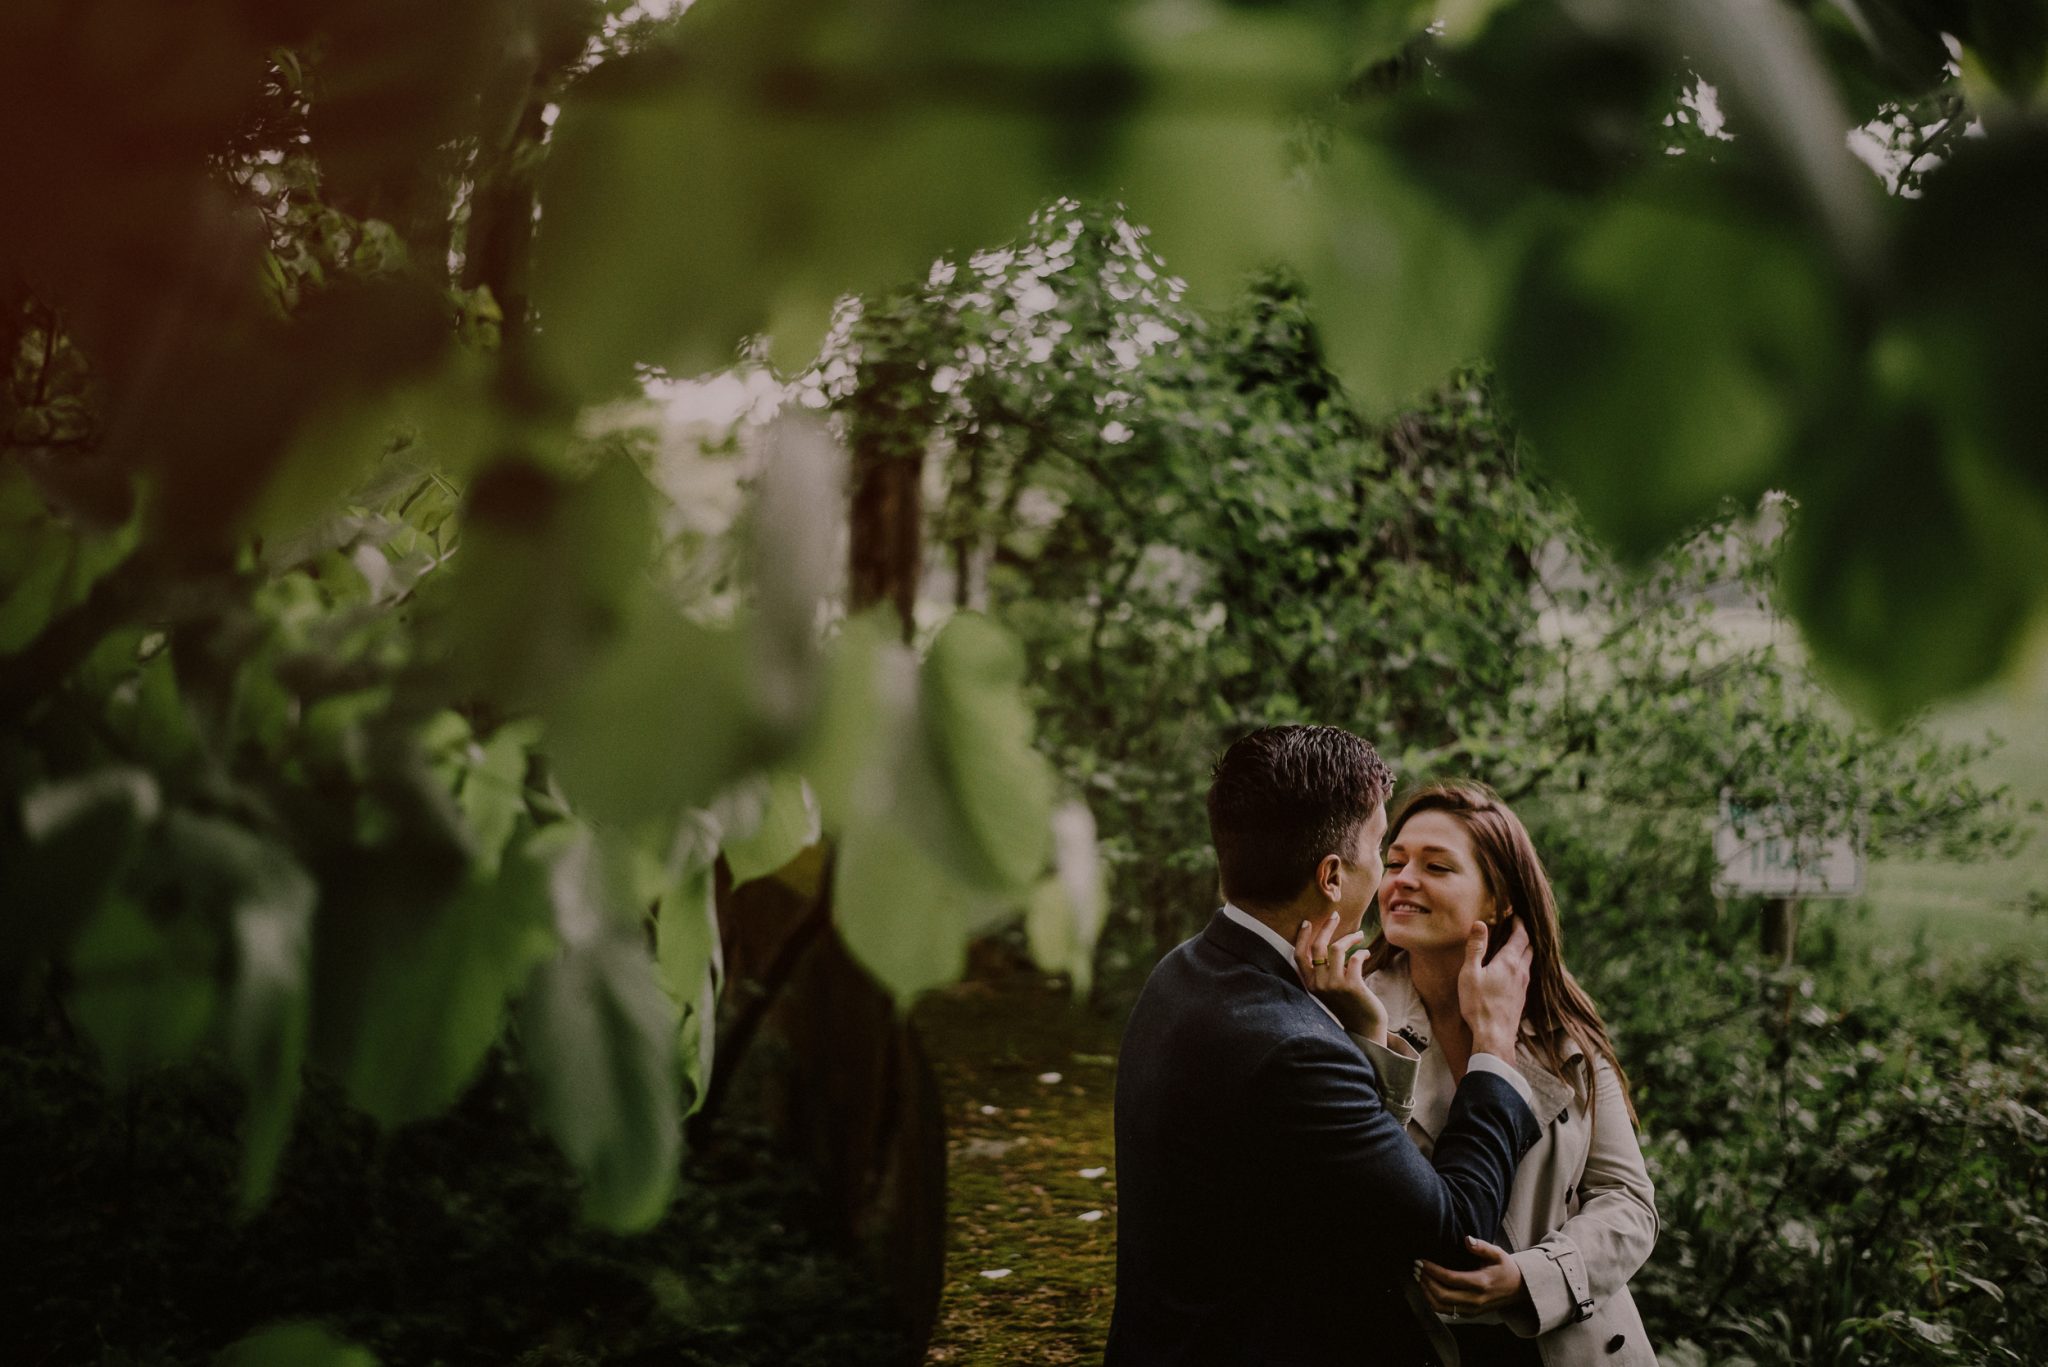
(1582, 1217)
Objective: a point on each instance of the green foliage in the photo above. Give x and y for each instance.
(943, 805)
(602, 1035)
(1673, 336)
(432, 1008)
(456, 1239)
(357, 686)
(1712, 329)
(1223, 540)
(293, 1345)
(991, 780)
(1844, 1151)
(351, 708)
(785, 828)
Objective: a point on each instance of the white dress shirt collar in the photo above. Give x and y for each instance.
(1264, 932)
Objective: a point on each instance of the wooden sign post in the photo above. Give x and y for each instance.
(1761, 856)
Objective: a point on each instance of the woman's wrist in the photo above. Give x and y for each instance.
(1502, 1048)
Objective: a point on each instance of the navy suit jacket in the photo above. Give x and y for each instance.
(1268, 1205)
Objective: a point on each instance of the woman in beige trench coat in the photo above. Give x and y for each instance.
(1582, 1217)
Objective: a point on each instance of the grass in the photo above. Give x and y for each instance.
(1027, 1078)
(1967, 908)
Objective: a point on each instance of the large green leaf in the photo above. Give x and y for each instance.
(493, 789)
(432, 1004)
(941, 803)
(794, 152)
(662, 721)
(986, 819)
(904, 917)
(1065, 912)
(865, 719)
(781, 823)
(1973, 300)
(84, 833)
(599, 1035)
(1919, 560)
(152, 715)
(2009, 39)
(669, 712)
(1208, 156)
(1526, 106)
(46, 566)
(229, 402)
(1664, 357)
(449, 418)
(294, 1345)
(143, 993)
(1404, 290)
(687, 952)
(143, 986)
(797, 562)
(798, 152)
(1913, 567)
(1888, 47)
(1768, 69)
(267, 901)
(547, 572)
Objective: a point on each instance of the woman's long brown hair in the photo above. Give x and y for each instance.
(1557, 1007)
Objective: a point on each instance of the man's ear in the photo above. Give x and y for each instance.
(1330, 876)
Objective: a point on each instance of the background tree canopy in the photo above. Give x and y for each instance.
(379, 685)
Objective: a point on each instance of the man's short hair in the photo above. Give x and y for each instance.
(1282, 798)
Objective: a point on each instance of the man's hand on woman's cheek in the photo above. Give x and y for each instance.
(1337, 976)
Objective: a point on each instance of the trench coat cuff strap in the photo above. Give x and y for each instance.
(1397, 1077)
(1556, 1280)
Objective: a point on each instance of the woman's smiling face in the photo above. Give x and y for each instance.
(1433, 890)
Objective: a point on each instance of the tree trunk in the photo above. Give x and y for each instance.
(887, 553)
(831, 1068)
(841, 1082)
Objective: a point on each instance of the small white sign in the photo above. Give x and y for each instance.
(1760, 858)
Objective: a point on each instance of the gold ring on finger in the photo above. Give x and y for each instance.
(1317, 963)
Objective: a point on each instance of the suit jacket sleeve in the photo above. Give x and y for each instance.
(1334, 1143)
(1610, 1237)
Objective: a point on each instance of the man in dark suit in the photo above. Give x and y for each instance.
(1269, 1204)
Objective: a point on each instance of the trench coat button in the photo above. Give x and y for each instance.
(1614, 1344)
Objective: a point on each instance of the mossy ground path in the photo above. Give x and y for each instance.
(1027, 1079)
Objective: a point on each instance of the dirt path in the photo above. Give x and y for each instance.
(1027, 1080)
